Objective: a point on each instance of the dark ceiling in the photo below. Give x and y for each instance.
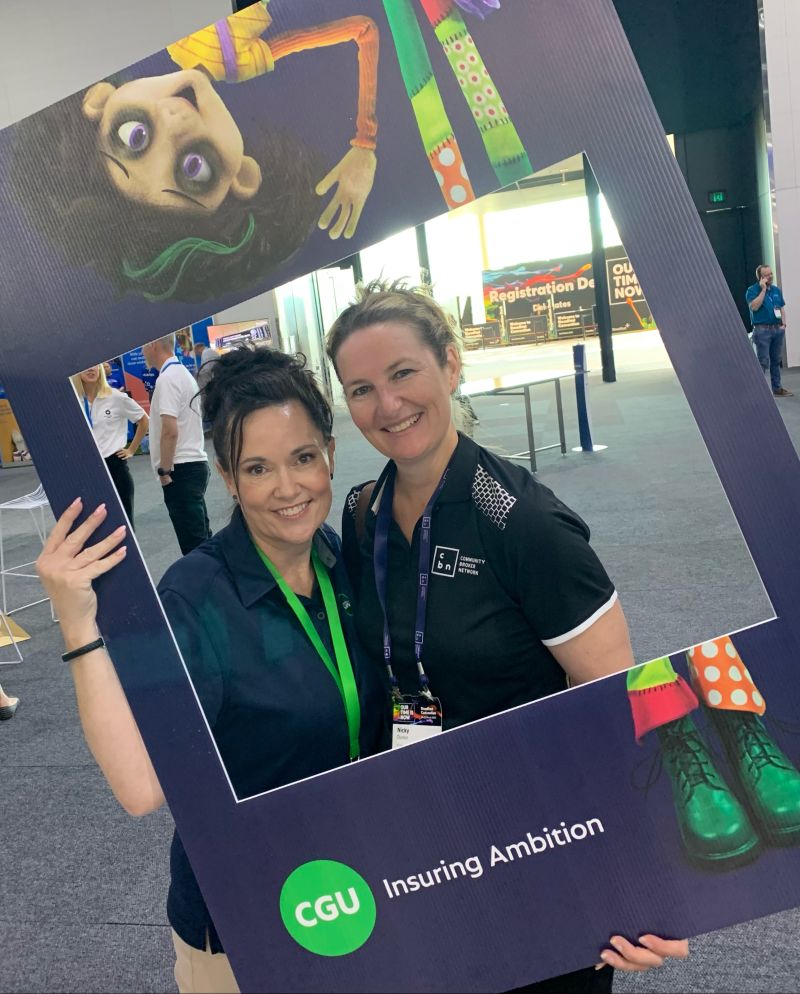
(701, 59)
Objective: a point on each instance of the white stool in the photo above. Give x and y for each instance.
(34, 503)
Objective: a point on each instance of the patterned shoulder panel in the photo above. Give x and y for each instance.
(491, 499)
(351, 503)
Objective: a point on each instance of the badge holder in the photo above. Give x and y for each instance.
(415, 717)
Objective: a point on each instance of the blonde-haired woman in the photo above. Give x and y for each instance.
(108, 412)
(538, 606)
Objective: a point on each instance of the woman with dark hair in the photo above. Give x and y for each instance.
(512, 590)
(151, 182)
(272, 577)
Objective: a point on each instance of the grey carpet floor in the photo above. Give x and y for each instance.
(83, 886)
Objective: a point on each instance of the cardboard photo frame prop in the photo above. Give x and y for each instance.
(489, 787)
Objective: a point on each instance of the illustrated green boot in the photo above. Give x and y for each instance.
(716, 831)
(769, 781)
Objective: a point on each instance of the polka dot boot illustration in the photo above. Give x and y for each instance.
(501, 142)
(715, 828)
(451, 174)
(767, 780)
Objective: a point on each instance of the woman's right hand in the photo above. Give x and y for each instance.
(67, 569)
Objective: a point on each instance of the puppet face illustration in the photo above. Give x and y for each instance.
(170, 142)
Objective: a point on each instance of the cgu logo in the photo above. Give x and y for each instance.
(327, 908)
(345, 909)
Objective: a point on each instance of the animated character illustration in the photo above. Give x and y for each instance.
(500, 139)
(720, 827)
(150, 183)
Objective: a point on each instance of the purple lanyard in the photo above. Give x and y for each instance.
(380, 557)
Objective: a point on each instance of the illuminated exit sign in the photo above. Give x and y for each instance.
(717, 196)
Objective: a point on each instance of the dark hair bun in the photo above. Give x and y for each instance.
(238, 376)
(249, 378)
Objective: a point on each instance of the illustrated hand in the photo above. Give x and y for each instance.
(67, 569)
(651, 952)
(353, 176)
(124, 454)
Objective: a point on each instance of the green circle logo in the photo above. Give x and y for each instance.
(327, 908)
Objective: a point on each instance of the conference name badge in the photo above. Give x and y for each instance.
(415, 717)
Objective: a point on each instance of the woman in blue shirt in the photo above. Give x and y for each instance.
(250, 609)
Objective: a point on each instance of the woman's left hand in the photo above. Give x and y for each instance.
(651, 952)
(125, 454)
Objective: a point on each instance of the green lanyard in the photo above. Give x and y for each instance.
(342, 672)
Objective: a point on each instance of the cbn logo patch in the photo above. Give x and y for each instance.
(445, 561)
(327, 908)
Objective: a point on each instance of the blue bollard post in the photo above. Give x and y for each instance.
(582, 398)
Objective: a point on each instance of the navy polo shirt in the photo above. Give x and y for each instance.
(512, 574)
(275, 712)
(773, 299)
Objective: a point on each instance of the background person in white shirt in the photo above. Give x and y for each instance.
(108, 411)
(176, 443)
(205, 356)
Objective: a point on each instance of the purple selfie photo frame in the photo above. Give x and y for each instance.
(492, 781)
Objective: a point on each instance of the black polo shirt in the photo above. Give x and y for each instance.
(276, 713)
(512, 574)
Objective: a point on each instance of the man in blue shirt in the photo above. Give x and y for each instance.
(768, 314)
